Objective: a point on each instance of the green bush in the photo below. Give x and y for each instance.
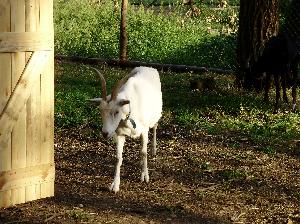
(85, 29)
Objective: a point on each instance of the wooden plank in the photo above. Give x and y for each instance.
(5, 151)
(47, 105)
(31, 16)
(5, 84)
(47, 156)
(47, 96)
(25, 41)
(36, 92)
(5, 91)
(30, 26)
(47, 88)
(17, 16)
(38, 14)
(33, 143)
(5, 198)
(5, 15)
(18, 136)
(46, 21)
(18, 98)
(26, 176)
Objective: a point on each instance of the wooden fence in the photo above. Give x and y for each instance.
(26, 101)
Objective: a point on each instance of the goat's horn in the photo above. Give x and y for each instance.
(115, 91)
(103, 84)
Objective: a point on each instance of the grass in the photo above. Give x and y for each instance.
(225, 112)
(91, 29)
(213, 3)
(79, 215)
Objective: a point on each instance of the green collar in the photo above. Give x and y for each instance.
(131, 121)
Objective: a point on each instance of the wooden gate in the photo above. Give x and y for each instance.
(26, 101)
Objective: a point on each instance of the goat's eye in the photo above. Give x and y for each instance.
(114, 113)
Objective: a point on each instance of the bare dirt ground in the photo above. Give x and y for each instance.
(195, 178)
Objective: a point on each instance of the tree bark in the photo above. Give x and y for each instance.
(123, 34)
(292, 23)
(258, 21)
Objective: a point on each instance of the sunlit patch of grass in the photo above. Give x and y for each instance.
(224, 111)
(230, 175)
(90, 29)
(79, 215)
(230, 111)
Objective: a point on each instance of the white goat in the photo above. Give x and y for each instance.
(134, 106)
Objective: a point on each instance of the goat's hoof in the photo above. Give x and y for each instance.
(145, 177)
(114, 187)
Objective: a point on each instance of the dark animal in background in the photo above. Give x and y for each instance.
(203, 84)
(280, 61)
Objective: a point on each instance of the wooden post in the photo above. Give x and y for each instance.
(123, 34)
(26, 101)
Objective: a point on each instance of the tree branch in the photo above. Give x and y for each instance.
(159, 66)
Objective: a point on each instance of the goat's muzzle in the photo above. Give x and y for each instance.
(105, 134)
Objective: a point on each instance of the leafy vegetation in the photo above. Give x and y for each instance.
(224, 111)
(214, 3)
(172, 34)
(205, 37)
(219, 157)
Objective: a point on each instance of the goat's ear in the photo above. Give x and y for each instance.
(96, 101)
(123, 102)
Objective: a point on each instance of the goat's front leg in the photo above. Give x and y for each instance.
(267, 87)
(277, 86)
(143, 154)
(294, 95)
(294, 87)
(120, 141)
(153, 151)
(283, 85)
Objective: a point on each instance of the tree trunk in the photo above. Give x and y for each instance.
(292, 22)
(258, 21)
(123, 34)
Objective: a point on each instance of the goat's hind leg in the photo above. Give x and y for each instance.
(115, 186)
(294, 84)
(267, 88)
(277, 86)
(153, 151)
(283, 85)
(143, 155)
(294, 95)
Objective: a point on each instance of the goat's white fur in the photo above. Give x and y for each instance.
(136, 109)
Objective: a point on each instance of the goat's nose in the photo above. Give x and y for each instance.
(105, 134)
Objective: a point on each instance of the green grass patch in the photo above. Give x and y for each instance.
(212, 3)
(163, 34)
(78, 215)
(224, 111)
(155, 34)
(232, 175)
